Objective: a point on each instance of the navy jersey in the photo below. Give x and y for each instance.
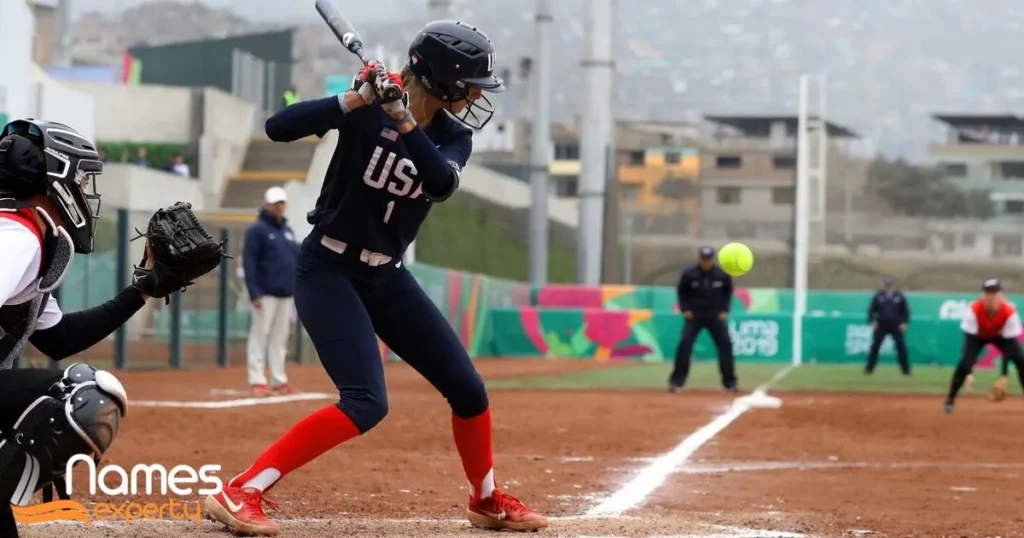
(380, 184)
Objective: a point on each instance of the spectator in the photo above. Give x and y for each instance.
(177, 166)
(103, 155)
(270, 259)
(290, 97)
(141, 158)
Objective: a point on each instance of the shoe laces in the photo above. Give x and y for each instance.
(258, 498)
(504, 501)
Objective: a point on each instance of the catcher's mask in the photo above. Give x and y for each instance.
(64, 167)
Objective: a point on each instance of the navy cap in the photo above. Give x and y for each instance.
(706, 253)
(992, 284)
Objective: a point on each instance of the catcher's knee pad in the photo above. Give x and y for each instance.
(80, 415)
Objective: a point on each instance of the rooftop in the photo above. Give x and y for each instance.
(761, 125)
(1000, 121)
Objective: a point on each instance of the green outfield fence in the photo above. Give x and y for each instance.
(208, 324)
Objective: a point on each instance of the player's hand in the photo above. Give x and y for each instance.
(396, 108)
(903, 326)
(365, 82)
(723, 315)
(688, 314)
(148, 264)
(257, 303)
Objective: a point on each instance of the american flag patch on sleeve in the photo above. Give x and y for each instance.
(390, 134)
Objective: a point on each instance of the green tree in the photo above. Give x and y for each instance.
(923, 191)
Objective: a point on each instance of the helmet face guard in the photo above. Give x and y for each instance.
(72, 166)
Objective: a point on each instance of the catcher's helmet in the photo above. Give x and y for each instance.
(449, 58)
(39, 157)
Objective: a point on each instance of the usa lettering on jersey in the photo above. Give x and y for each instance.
(396, 179)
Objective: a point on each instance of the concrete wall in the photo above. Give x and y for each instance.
(53, 101)
(227, 129)
(140, 113)
(145, 189)
(170, 114)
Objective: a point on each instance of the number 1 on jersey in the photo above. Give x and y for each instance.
(387, 213)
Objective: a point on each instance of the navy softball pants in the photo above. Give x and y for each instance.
(343, 302)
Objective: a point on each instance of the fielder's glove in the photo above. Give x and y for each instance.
(999, 389)
(182, 251)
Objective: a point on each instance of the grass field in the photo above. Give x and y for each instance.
(704, 375)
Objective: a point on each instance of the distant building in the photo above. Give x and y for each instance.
(984, 152)
(748, 175)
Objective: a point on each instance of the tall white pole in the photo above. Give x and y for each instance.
(801, 243)
(821, 166)
(539, 149)
(596, 139)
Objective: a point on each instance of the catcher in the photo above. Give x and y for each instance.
(990, 320)
(48, 209)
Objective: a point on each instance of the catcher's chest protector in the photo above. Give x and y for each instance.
(18, 321)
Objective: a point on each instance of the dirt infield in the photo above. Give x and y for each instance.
(691, 464)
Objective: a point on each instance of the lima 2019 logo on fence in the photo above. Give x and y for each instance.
(754, 337)
(114, 481)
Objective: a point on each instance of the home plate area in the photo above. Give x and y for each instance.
(601, 463)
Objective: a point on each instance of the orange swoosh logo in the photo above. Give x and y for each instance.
(51, 512)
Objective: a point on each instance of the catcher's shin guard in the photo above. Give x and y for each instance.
(79, 416)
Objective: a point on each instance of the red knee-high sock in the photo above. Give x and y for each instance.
(473, 439)
(308, 439)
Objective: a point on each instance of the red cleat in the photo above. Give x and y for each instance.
(286, 389)
(260, 391)
(241, 509)
(503, 511)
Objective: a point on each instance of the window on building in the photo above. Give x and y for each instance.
(728, 195)
(783, 195)
(728, 161)
(1015, 206)
(784, 162)
(672, 157)
(567, 151)
(954, 169)
(636, 158)
(630, 191)
(566, 186)
(1012, 170)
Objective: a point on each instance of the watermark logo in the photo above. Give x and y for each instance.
(115, 481)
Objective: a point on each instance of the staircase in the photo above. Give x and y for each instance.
(268, 164)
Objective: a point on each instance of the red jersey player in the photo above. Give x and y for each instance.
(990, 320)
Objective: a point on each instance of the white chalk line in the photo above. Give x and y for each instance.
(634, 492)
(757, 466)
(231, 404)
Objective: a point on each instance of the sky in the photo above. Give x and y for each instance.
(267, 10)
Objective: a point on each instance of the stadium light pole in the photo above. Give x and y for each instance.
(540, 134)
(596, 139)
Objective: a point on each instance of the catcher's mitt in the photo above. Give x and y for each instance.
(998, 391)
(182, 251)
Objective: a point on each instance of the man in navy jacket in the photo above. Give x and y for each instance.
(270, 258)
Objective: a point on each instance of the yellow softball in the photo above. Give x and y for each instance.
(736, 259)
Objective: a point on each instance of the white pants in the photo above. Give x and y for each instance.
(268, 340)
